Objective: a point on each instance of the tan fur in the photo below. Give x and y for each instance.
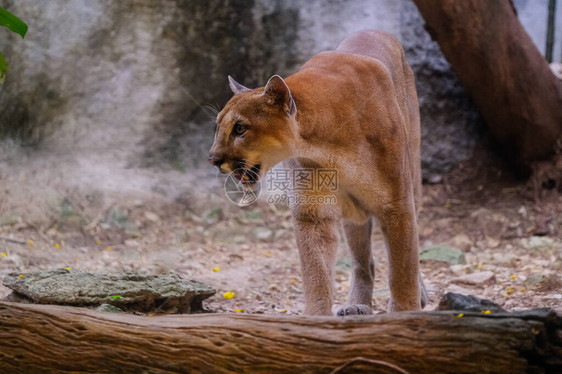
(357, 112)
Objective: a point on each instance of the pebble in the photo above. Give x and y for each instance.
(538, 243)
(263, 233)
(451, 255)
(460, 269)
(462, 241)
(153, 217)
(478, 278)
(457, 289)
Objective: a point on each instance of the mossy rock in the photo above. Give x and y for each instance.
(452, 255)
(127, 291)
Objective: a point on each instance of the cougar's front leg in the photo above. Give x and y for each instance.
(317, 242)
(399, 226)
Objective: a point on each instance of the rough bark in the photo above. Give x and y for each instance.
(509, 80)
(47, 338)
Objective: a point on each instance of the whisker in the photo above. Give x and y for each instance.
(210, 110)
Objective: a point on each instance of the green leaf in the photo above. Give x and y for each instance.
(3, 68)
(12, 22)
(115, 297)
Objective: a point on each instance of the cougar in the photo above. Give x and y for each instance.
(353, 110)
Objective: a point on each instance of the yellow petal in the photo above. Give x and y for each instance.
(57, 245)
(228, 295)
(215, 269)
(30, 242)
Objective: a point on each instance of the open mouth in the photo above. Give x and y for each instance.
(248, 177)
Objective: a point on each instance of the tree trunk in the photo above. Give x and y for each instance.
(46, 338)
(509, 80)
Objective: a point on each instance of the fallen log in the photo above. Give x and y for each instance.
(48, 338)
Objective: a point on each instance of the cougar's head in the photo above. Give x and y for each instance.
(255, 130)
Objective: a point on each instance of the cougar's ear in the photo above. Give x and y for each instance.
(279, 93)
(236, 87)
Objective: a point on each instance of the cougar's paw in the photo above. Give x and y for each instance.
(353, 310)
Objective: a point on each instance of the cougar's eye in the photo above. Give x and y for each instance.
(239, 129)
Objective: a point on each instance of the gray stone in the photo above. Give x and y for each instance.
(239, 239)
(127, 291)
(469, 303)
(534, 279)
(452, 255)
(108, 308)
(263, 233)
(462, 241)
(457, 289)
(213, 215)
(151, 216)
(478, 278)
(541, 243)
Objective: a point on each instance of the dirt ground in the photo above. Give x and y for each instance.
(251, 251)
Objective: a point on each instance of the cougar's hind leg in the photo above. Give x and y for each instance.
(363, 269)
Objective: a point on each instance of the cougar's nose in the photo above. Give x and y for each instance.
(216, 159)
